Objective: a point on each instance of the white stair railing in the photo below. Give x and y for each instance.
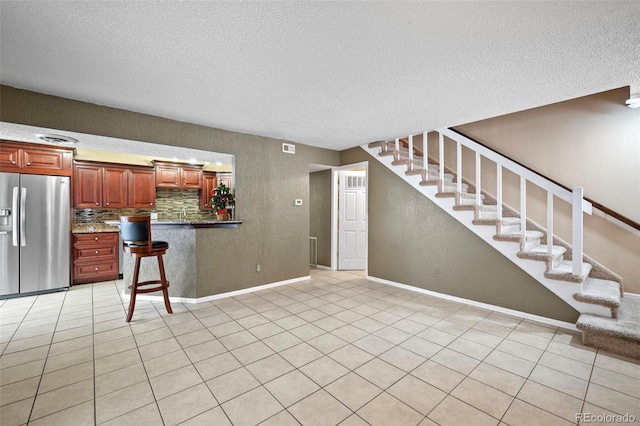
(574, 197)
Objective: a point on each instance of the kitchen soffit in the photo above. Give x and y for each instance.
(23, 133)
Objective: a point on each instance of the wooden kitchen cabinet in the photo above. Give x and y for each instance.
(208, 183)
(183, 176)
(167, 176)
(10, 158)
(87, 186)
(191, 177)
(142, 188)
(95, 257)
(35, 159)
(114, 186)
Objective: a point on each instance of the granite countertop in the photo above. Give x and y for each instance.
(195, 223)
(114, 225)
(89, 228)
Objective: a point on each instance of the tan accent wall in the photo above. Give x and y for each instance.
(274, 233)
(320, 214)
(410, 238)
(593, 142)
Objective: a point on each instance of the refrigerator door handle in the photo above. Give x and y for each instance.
(14, 217)
(23, 216)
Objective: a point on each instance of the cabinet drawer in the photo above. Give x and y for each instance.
(100, 239)
(83, 253)
(95, 270)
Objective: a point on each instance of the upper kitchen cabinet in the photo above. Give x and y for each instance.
(113, 186)
(173, 175)
(35, 159)
(208, 183)
(142, 188)
(87, 186)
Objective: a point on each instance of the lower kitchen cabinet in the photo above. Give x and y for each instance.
(95, 257)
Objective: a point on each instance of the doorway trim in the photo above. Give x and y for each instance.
(334, 212)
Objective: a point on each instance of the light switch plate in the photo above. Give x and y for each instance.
(298, 202)
(154, 216)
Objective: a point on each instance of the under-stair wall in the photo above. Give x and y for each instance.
(413, 241)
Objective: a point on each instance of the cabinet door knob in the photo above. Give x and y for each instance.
(13, 162)
(150, 204)
(176, 183)
(107, 203)
(28, 163)
(96, 251)
(96, 238)
(97, 204)
(95, 269)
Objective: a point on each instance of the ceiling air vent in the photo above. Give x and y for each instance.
(57, 139)
(288, 148)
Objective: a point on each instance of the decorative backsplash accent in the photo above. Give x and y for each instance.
(169, 202)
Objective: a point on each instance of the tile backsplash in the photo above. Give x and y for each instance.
(169, 202)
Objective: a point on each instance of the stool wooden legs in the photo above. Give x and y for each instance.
(164, 286)
(134, 288)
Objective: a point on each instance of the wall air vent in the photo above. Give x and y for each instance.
(57, 139)
(289, 148)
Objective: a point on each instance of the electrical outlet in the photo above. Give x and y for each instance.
(258, 268)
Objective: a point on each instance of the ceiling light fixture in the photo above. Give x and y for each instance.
(57, 139)
(633, 102)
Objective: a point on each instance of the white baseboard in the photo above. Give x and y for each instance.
(544, 320)
(175, 299)
(632, 295)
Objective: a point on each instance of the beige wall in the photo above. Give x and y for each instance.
(275, 231)
(320, 214)
(593, 142)
(411, 237)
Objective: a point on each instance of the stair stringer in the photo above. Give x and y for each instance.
(536, 269)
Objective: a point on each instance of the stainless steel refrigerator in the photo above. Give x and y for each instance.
(35, 235)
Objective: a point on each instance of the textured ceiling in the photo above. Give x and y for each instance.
(329, 74)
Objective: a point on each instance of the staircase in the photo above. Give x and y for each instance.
(607, 319)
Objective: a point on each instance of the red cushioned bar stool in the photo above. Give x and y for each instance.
(136, 240)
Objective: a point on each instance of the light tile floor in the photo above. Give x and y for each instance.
(334, 350)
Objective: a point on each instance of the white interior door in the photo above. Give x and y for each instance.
(352, 223)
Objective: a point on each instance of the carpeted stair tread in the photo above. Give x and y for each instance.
(388, 153)
(626, 326)
(564, 271)
(600, 292)
(510, 220)
(469, 199)
(543, 249)
(530, 235)
(378, 144)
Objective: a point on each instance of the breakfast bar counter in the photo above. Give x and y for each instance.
(180, 259)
